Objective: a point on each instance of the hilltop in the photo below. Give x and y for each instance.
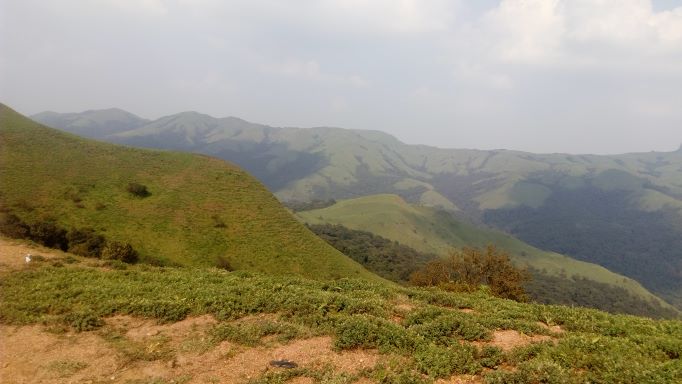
(622, 212)
(200, 211)
(436, 231)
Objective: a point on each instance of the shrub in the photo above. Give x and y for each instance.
(115, 250)
(465, 270)
(12, 226)
(438, 361)
(137, 189)
(84, 321)
(223, 262)
(85, 242)
(49, 234)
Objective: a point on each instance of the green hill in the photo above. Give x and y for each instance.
(200, 209)
(434, 231)
(623, 212)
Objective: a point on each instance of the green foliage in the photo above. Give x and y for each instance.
(251, 333)
(601, 226)
(433, 338)
(138, 190)
(434, 231)
(467, 269)
(532, 372)
(83, 321)
(115, 250)
(388, 259)
(548, 289)
(437, 361)
(362, 331)
(49, 234)
(85, 242)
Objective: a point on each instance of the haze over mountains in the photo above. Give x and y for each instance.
(620, 211)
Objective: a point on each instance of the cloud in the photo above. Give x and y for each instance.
(483, 73)
(136, 7)
(310, 70)
(580, 32)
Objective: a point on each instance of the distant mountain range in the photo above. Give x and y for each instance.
(623, 212)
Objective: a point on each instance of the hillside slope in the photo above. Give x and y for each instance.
(430, 230)
(65, 319)
(623, 212)
(200, 209)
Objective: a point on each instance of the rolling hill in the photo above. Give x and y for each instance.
(200, 210)
(623, 212)
(436, 231)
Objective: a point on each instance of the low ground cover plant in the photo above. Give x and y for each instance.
(434, 337)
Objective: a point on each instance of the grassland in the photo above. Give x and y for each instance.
(433, 231)
(200, 210)
(419, 335)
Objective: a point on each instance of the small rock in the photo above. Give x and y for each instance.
(283, 364)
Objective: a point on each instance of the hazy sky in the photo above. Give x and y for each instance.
(579, 76)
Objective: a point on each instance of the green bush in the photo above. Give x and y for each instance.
(362, 331)
(115, 250)
(490, 356)
(138, 190)
(438, 361)
(533, 372)
(85, 242)
(49, 234)
(84, 321)
(11, 225)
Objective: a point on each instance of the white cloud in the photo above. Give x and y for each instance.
(310, 70)
(393, 16)
(580, 32)
(137, 7)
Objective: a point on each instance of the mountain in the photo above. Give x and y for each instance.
(201, 211)
(94, 124)
(623, 212)
(436, 231)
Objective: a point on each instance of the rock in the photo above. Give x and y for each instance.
(283, 364)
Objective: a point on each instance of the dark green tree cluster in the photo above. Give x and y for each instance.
(80, 241)
(388, 259)
(468, 268)
(576, 291)
(604, 227)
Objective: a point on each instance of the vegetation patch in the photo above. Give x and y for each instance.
(434, 339)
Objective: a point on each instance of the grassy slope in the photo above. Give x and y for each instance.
(423, 333)
(428, 230)
(82, 183)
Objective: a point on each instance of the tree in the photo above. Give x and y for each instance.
(115, 250)
(466, 269)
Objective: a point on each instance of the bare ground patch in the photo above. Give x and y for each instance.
(13, 253)
(32, 355)
(508, 339)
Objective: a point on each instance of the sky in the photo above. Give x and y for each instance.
(575, 76)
